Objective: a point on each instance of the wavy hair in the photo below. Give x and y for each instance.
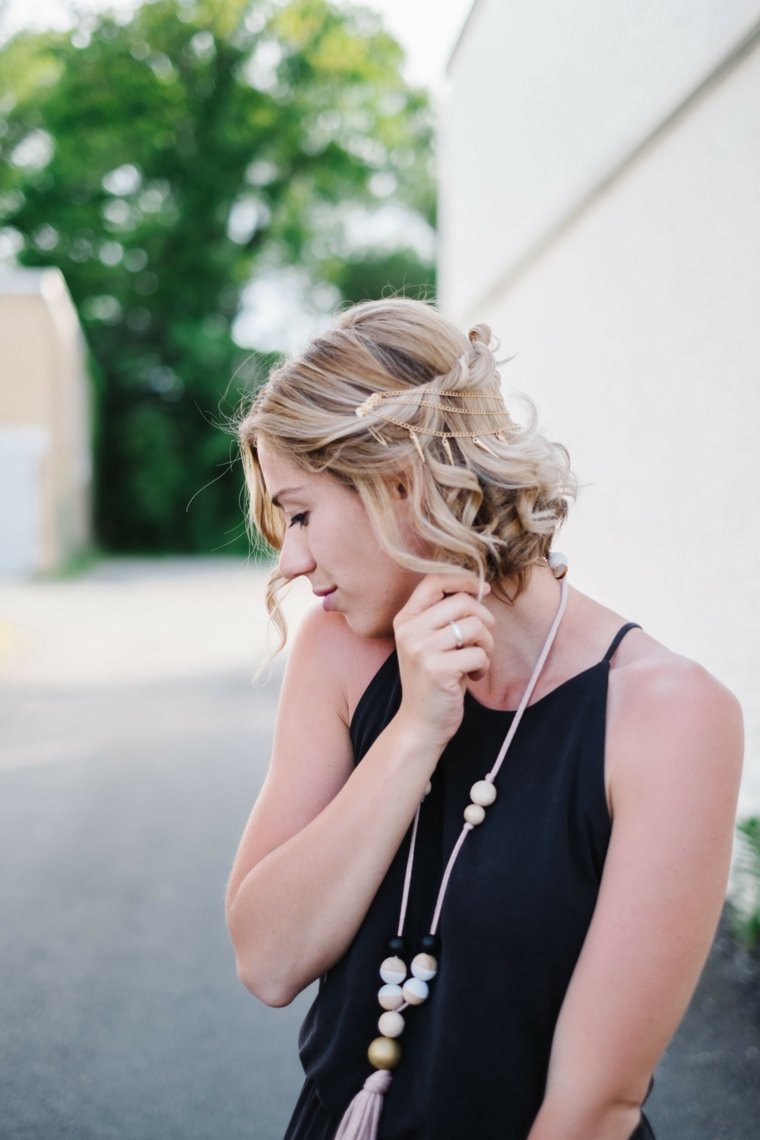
(386, 396)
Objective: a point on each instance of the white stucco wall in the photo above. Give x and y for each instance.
(545, 100)
(635, 329)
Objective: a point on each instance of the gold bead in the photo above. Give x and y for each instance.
(384, 1053)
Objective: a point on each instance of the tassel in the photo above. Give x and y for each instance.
(362, 1117)
(483, 446)
(417, 444)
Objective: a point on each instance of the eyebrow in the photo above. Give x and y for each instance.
(281, 494)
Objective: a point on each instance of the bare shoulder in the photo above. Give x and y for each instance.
(668, 716)
(649, 681)
(328, 655)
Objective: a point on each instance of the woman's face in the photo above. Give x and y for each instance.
(330, 540)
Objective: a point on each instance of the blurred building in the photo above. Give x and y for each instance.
(45, 468)
(600, 209)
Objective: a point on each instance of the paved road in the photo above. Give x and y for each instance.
(122, 802)
(133, 745)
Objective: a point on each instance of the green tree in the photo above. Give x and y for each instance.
(162, 162)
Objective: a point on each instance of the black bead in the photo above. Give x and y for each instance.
(431, 944)
(397, 945)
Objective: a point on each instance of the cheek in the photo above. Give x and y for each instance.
(393, 585)
(354, 536)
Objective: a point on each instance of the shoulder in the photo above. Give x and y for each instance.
(328, 654)
(652, 684)
(668, 719)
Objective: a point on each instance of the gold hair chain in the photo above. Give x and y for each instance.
(446, 434)
(373, 405)
(402, 396)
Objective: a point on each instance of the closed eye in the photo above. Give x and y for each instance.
(300, 519)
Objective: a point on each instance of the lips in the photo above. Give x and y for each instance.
(326, 596)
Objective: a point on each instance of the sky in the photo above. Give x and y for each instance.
(427, 29)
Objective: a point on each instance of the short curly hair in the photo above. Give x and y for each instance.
(490, 505)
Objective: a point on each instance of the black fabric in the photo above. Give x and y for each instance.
(523, 890)
(618, 638)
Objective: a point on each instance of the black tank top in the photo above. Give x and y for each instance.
(475, 1054)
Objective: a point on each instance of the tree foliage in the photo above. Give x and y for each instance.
(164, 161)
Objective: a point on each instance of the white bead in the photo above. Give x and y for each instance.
(393, 970)
(391, 1024)
(483, 793)
(424, 967)
(415, 991)
(390, 996)
(558, 564)
(474, 814)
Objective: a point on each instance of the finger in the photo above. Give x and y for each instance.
(466, 631)
(458, 607)
(438, 615)
(435, 587)
(473, 659)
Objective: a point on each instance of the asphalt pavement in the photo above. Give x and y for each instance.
(132, 745)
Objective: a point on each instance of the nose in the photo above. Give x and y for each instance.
(295, 556)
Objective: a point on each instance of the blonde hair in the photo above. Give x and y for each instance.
(489, 503)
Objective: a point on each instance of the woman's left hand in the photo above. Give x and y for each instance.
(443, 637)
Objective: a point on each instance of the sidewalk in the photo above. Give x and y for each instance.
(126, 622)
(135, 619)
(132, 745)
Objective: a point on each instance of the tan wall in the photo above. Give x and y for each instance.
(45, 462)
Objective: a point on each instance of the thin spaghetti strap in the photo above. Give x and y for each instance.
(618, 638)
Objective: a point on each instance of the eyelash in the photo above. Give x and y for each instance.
(301, 519)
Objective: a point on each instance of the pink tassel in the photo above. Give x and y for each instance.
(362, 1117)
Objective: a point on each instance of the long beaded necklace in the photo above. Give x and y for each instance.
(401, 990)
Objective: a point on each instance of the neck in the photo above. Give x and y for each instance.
(520, 631)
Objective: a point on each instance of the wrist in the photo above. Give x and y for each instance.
(414, 742)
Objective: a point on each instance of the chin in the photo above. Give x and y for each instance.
(373, 629)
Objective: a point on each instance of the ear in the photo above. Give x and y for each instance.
(397, 488)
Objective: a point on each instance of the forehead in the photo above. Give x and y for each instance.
(280, 474)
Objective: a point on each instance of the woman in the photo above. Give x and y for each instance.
(537, 953)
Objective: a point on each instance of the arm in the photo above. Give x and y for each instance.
(674, 750)
(323, 833)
